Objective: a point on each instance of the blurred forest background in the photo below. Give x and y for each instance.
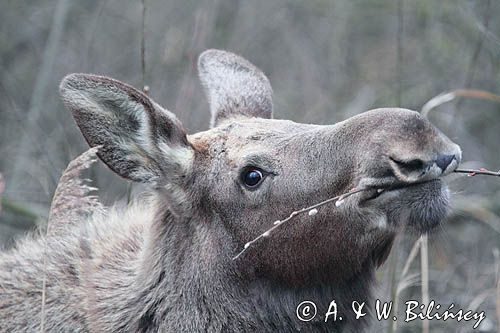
(327, 60)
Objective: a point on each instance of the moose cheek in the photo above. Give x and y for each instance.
(423, 207)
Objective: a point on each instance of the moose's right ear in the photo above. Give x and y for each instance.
(234, 86)
(140, 140)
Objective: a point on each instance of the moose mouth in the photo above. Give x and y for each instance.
(383, 190)
(421, 206)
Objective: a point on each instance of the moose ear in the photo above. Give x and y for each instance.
(234, 86)
(140, 140)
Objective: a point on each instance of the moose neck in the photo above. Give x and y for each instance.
(182, 281)
(187, 281)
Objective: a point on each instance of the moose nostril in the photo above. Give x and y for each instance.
(410, 166)
(443, 161)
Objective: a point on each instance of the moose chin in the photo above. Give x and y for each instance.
(166, 264)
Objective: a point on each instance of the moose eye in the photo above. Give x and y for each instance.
(252, 177)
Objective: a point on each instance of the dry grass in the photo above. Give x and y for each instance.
(72, 200)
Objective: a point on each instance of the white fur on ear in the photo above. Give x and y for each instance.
(234, 86)
(140, 140)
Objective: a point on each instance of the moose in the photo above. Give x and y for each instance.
(164, 263)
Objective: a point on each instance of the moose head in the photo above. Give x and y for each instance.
(218, 189)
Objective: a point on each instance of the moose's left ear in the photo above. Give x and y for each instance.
(140, 140)
(234, 86)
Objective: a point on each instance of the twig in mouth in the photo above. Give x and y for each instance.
(480, 171)
(312, 210)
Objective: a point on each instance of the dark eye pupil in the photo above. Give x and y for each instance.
(253, 177)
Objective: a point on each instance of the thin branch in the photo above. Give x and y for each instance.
(145, 88)
(481, 171)
(450, 96)
(2, 189)
(424, 257)
(37, 99)
(391, 280)
(204, 23)
(498, 288)
(399, 52)
(411, 257)
(312, 210)
(404, 282)
(37, 105)
(469, 77)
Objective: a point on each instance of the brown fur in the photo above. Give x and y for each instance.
(165, 264)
